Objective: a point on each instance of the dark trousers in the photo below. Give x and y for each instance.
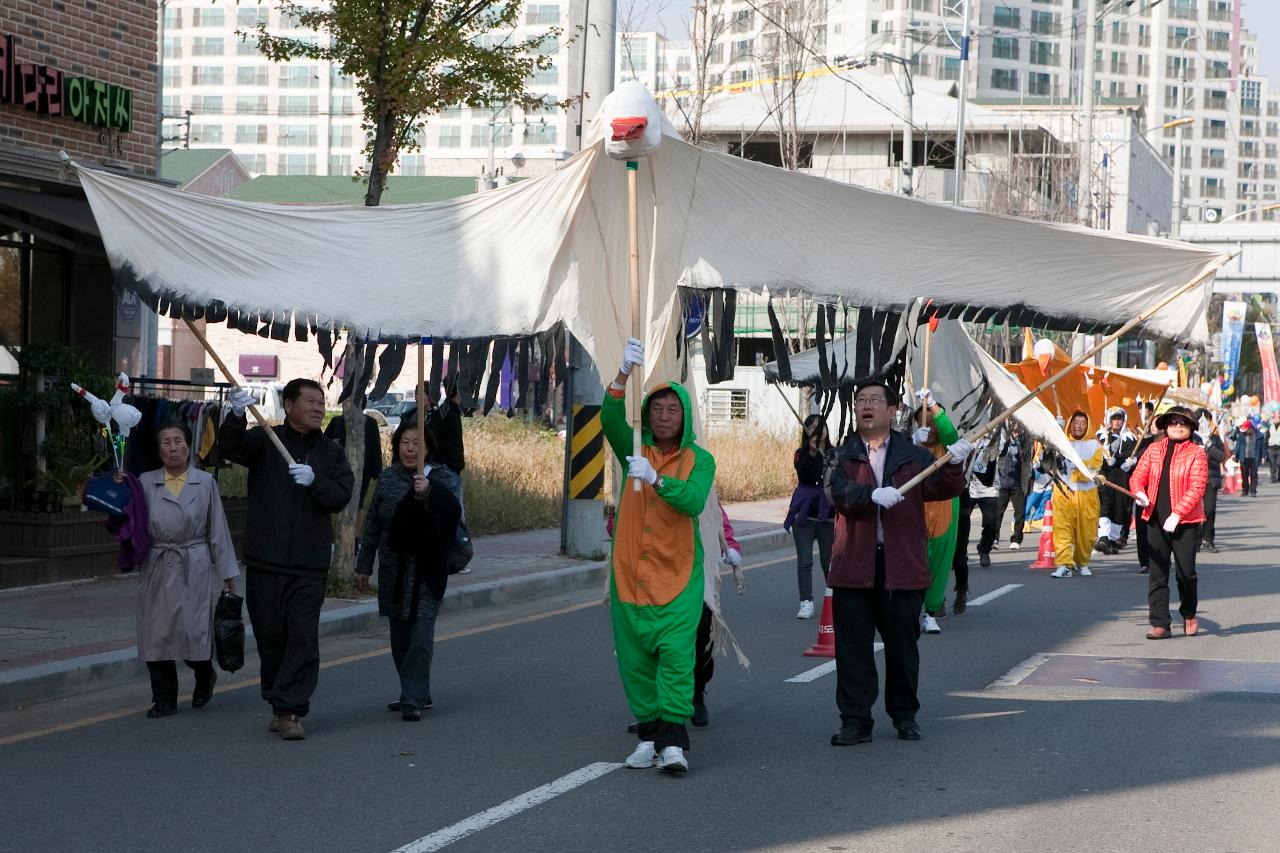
(164, 677)
(986, 539)
(412, 645)
(285, 613)
(1273, 455)
(805, 533)
(1116, 508)
(704, 664)
(1017, 497)
(1181, 546)
(1210, 512)
(664, 734)
(857, 615)
(1140, 534)
(1249, 477)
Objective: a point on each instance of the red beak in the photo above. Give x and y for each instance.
(626, 129)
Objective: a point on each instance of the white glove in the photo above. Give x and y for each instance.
(240, 400)
(639, 468)
(1141, 499)
(920, 436)
(960, 451)
(1127, 465)
(733, 558)
(886, 496)
(303, 475)
(632, 355)
(925, 396)
(1171, 523)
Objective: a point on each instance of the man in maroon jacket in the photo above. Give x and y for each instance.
(879, 573)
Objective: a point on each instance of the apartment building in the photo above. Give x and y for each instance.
(304, 117)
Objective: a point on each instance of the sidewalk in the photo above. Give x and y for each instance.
(63, 639)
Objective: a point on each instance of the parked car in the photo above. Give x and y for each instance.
(268, 398)
(399, 410)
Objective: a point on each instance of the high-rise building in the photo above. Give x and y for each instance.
(304, 117)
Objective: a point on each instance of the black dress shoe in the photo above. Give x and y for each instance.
(984, 560)
(700, 715)
(410, 715)
(163, 709)
(203, 693)
(395, 706)
(851, 737)
(909, 731)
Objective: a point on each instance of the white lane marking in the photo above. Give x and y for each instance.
(443, 837)
(994, 594)
(1016, 675)
(822, 669)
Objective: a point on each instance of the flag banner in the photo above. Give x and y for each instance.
(1232, 337)
(1270, 377)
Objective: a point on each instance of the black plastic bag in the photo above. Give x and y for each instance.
(228, 631)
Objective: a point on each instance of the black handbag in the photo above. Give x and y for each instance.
(462, 551)
(228, 631)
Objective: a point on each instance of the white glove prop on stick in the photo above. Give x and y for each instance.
(920, 436)
(303, 475)
(1171, 523)
(639, 468)
(240, 400)
(632, 356)
(733, 557)
(960, 451)
(886, 497)
(925, 398)
(1141, 499)
(101, 408)
(1127, 465)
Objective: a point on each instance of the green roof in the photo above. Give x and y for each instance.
(181, 165)
(336, 189)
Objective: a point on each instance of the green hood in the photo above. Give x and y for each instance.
(646, 435)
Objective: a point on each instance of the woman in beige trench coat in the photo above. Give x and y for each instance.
(191, 557)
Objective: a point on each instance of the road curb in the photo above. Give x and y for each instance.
(60, 679)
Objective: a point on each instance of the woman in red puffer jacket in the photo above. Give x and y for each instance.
(1168, 483)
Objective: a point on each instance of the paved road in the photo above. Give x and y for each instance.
(529, 696)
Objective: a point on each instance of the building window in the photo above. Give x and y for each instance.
(251, 75)
(206, 133)
(299, 77)
(541, 134)
(251, 105)
(342, 105)
(1044, 53)
(207, 17)
(542, 13)
(247, 46)
(338, 80)
(1044, 23)
(1004, 48)
(254, 164)
(172, 77)
(207, 104)
(1039, 83)
(251, 17)
(727, 404)
(207, 46)
(172, 47)
(546, 77)
(299, 105)
(297, 135)
(206, 75)
(1007, 18)
(296, 164)
(950, 68)
(172, 18)
(413, 164)
(251, 134)
(340, 136)
(1004, 78)
(450, 136)
(480, 135)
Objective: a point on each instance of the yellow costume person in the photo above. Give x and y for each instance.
(1075, 503)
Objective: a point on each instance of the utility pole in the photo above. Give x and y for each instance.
(1084, 188)
(582, 531)
(1175, 228)
(962, 87)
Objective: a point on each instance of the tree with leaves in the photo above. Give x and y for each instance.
(410, 59)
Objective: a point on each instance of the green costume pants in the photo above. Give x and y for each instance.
(939, 551)
(655, 646)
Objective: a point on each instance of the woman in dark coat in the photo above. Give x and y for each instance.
(411, 526)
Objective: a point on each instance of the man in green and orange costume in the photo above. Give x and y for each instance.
(656, 585)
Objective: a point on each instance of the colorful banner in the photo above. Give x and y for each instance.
(1270, 377)
(1232, 336)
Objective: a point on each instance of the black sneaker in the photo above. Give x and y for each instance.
(700, 715)
(984, 560)
(851, 737)
(162, 709)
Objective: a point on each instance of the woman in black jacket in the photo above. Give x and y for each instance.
(810, 517)
(412, 524)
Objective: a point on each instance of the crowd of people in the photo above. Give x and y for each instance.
(888, 510)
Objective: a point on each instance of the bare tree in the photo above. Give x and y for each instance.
(689, 100)
(793, 32)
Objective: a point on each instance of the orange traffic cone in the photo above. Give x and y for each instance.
(1044, 555)
(825, 645)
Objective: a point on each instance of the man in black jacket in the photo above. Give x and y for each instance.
(1116, 507)
(1216, 450)
(288, 542)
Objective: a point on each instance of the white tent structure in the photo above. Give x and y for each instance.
(554, 248)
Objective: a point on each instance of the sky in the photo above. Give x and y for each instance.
(1263, 18)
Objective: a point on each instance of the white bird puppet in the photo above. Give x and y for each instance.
(101, 408)
(126, 417)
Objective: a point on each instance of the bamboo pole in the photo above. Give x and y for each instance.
(924, 384)
(230, 377)
(995, 422)
(422, 409)
(636, 392)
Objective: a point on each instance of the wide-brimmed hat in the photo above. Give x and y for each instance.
(1182, 412)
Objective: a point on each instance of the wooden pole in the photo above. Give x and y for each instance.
(928, 337)
(422, 410)
(230, 377)
(636, 392)
(995, 422)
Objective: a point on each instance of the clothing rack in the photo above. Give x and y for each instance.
(148, 392)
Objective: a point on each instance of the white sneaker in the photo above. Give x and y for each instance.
(672, 760)
(929, 625)
(1084, 571)
(1061, 572)
(642, 757)
(806, 610)
(1013, 546)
